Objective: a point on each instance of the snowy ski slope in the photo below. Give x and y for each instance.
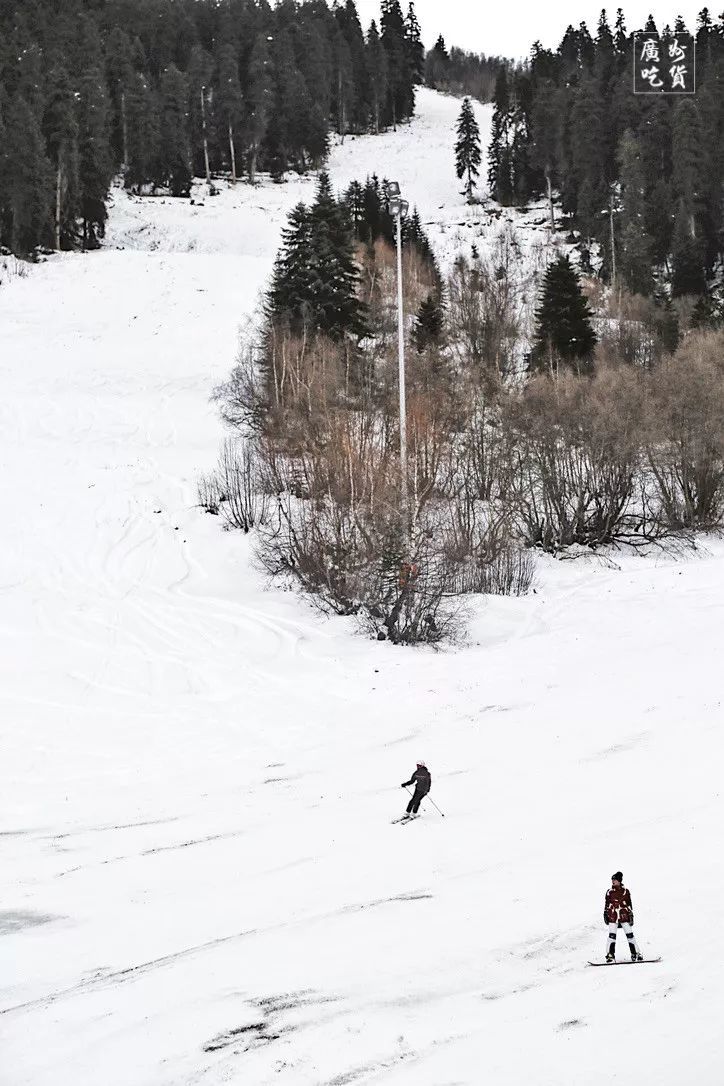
(201, 884)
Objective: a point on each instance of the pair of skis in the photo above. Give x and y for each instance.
(643, 961)
(405, 818)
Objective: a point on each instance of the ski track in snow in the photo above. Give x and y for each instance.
(201, 881)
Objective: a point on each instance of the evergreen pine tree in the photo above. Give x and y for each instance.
(314, 58)
(667, 324)
(201, 136)
(259, 95)
(294, 125)
(60, 129)
(334, 277)
(315, 282)
(500, 173)
(688, 162)
(654, 138)
(586, 48)
(143, 144)
(89, 44)
(314, 133)
(401, 96)
(415, 48)
(565, 171)
(620, 40)
(437, 65)
(355, 210)
(634, 258)
(28, 81)
(428, 324)
(544, 135)
(378, 220)
(343, 84)
(568, 57)
(605, 58)
(467, 148)
(4, 213)
(290, 300)
(358, 105)
(704, 30)
(564, 332)
(174, 151)
(120, 75)
(378, 78)
(229, 104)
(414, 235)
(687, 256)
(95, 167)
(591, 165)
(708, 313)
(28, 179)
(703, 315)
(526, 179)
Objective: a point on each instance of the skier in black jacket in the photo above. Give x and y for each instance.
(422, 780)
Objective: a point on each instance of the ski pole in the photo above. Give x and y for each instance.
(432, 801)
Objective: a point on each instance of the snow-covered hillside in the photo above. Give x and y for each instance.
(201, 884)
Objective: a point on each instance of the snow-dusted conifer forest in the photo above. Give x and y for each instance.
(201, 883)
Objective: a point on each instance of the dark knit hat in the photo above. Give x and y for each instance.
(618, 876)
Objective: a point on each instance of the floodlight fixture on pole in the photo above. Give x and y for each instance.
(397, 208)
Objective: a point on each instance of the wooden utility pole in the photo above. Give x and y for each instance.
(232, 152)
(203, 135)
(124, 129)
(58, 203)
(613, 243)
(550, 199)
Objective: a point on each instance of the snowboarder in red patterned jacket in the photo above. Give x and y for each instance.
(618, 912)
(422, 781)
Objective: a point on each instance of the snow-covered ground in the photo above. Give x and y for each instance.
(200, 880)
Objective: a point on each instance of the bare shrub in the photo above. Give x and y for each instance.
(485, 313)
(575, 456)
(241, 398)
(357, 566)
(343, 535)
(484, 454)
(415, 600)
(378, 270)
(11, 268)
(635, 330)
(209, 493)
(304, 539)
(685, 434)
(329, 497)
(284, 384)
(685, 307)
(511, 572)
(482, 554)
(241, 501)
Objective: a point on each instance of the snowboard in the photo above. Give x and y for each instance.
(646, 961)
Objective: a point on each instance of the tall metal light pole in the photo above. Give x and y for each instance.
(399, 207)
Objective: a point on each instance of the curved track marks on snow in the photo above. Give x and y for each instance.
(209, 771)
